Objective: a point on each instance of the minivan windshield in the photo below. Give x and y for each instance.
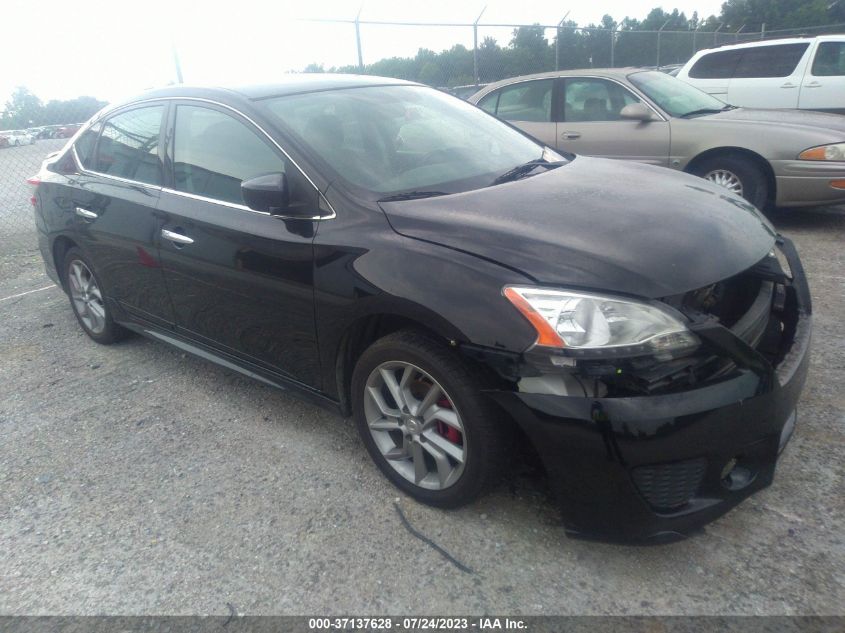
(674, 96)
(404, 138)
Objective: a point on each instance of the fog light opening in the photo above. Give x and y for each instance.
(734, 476)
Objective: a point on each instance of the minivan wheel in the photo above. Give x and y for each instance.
(87, 300)
(424, 421)
(738, 175)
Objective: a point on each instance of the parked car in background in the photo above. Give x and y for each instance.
(805, 73)
(769, 157)
(4, 140)
(401, 257)
(18, 137)
(66, 131)
(49, 131)
(464, 92)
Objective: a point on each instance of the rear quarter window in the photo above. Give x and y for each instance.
(85, 144)
(716, 65)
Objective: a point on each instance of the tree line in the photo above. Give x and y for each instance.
(609, 43)
(25, 110)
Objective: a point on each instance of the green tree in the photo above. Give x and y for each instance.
(776, 14)
(23, 109)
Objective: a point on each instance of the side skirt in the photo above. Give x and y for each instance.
(224, 360)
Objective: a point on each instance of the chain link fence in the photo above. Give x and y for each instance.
(484, 53)
(29, 131)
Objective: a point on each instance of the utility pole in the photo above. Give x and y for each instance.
(718, 28)
(557, 41)
(475, 45)
(659, 31)
(763, 31)
(738, 31)
(358, 39)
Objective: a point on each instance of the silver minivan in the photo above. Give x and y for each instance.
(806, 73)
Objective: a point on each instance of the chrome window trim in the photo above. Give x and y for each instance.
(233, 205)
(241, 207)
(91, 172)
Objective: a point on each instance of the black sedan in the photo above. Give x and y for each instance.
(403, 257)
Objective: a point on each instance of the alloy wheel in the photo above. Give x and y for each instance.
(726, 179)
(415, 425)
(86, 296)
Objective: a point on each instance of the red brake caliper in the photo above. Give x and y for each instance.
(449, 432)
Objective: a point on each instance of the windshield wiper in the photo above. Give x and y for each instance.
(523, 170)
(413, 195)
(707, 111)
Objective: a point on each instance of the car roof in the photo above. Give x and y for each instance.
(784, 40)
(610, 73)
(286, 85)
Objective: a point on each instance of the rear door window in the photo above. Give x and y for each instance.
(770, 61)
(525, 101)
(718, 65)
(830, 60)
(128, 146)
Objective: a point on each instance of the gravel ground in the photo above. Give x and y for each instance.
(136, 480)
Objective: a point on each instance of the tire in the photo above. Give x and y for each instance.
(475, 455)
(87, 300)
(735, 168)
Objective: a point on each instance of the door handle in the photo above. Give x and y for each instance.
(176, 238)
(85, 213)
(815, 84)
(571, 136)
(789, 85)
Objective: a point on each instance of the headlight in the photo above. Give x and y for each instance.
(583, 321)
(824, 152)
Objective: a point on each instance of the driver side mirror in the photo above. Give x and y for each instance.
(636, 112)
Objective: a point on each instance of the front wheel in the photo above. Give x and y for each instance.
(421, 414)
(738, 175)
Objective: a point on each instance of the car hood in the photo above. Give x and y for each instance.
(598, 224)
(831, 123)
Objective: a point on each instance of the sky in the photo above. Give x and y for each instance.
(117, 48)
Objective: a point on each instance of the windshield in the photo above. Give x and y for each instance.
(673, 95)
(391, 139)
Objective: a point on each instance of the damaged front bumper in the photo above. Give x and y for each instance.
(658, 467)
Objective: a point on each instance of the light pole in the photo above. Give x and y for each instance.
(557, 41)
(176, 62)
(659, 31)
(358, 39)
(718, 28)
(694, 34)
(475, 45)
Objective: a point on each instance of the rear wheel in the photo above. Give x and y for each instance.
(424, 420)
(737, 174)
(87, 300)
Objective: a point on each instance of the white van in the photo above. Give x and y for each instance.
(807, 73)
